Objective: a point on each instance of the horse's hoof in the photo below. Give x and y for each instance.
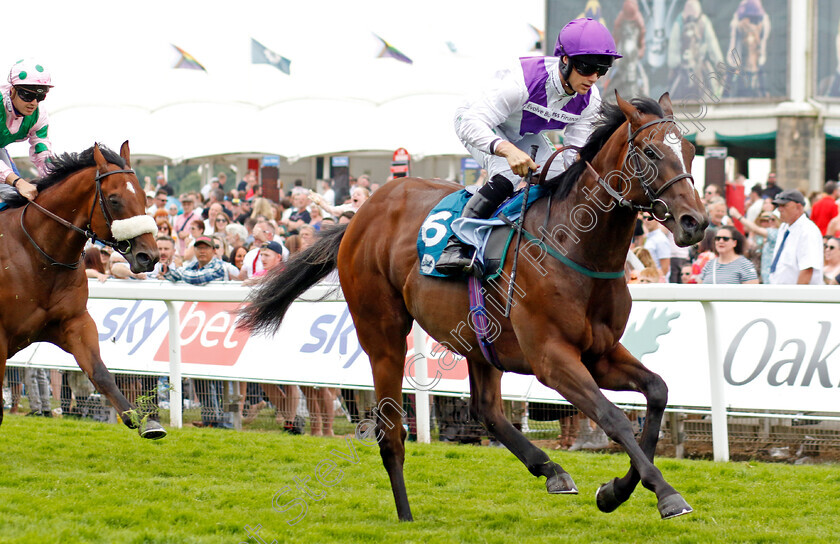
(152, 430)
(673, 506)
(561, 483)
(605, 497)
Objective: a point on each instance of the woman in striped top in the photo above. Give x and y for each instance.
(730, 266)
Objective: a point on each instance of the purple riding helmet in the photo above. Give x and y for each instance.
(589, 46)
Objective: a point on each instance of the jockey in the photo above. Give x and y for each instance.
(539, 94)
(23, 119)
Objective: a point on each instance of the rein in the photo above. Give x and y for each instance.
(123, 246)
(653, 196)
(542, 244)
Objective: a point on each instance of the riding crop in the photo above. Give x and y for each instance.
(519, 226)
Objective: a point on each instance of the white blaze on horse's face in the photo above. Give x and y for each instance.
(130, 187)
(674, 143)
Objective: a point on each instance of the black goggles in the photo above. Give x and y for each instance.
(28, 95)
(586, 69)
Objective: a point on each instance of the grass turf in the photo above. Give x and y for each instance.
(76, 481)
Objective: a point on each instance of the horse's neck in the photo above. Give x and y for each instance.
(591, 228)
(71, 200)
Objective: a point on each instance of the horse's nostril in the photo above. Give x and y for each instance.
(144, 261)
(688, 223)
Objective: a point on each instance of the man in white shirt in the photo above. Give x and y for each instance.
(798, 258)
(656, 242)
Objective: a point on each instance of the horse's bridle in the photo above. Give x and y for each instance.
(122, 246)
(653, 196)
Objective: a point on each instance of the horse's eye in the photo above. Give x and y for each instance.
(651, 154)
(114, 201)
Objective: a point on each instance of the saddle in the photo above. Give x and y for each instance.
(491, 237)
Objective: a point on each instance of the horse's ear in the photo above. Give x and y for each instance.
(124, 153)
(665, 102)
(99, 158)
(629, 110)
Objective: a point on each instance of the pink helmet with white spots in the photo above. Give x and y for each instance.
(30, 73)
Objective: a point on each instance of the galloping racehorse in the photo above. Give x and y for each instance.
(571, 306)
(89, 195)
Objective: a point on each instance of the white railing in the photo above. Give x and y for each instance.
(706, 295)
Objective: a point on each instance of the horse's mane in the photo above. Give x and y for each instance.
(611, 117)
(62, 166)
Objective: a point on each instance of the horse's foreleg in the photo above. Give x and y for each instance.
(79, 337)
(621, 371)
(486, 407)
(567, 375)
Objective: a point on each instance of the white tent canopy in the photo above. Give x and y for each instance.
(112, 66)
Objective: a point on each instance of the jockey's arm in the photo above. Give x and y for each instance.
(40, 147)
(477, 120)
(518, 160)
(25, 188)
(40, 152)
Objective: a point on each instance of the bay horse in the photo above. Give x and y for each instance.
(89, 195)
(567, 319)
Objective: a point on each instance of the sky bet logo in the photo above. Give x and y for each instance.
(208, 334)
(336, 334)
(208, 331)
(329, 334)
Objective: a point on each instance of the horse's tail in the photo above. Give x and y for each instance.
(270, 299)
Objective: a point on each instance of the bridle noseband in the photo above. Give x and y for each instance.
(657, 208)
(122, 246)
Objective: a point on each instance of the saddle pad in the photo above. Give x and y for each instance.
(445, 220)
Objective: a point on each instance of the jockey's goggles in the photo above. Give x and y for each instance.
(586, 67)
(28, 95)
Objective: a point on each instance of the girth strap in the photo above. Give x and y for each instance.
(481, 323)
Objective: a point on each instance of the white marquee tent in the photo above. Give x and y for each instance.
(112, 66)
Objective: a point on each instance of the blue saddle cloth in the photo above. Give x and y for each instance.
(445, 220)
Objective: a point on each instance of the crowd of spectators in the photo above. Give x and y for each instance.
(771, 236)
(222, 233)
(226, 233)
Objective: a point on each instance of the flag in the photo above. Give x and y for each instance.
(389, 50)
(261, 54)
(187, 61)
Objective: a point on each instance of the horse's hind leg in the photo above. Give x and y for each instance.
(486, 407)
(621, 371)
(384, 340)
(78, 336)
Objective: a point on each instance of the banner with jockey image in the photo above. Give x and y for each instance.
(774, 356)
(698, 51)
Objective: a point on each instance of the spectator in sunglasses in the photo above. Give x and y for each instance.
(24, 119)
(730, 266)
(765, 232)
(534, 96)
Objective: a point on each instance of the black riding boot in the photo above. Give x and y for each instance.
(457, 256)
